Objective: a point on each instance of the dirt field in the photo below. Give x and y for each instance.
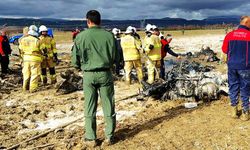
(149, 124)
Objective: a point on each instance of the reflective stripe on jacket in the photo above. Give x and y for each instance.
(155, 41)
(49, 44)
(237, 47)
(130, 47)
(31, 48)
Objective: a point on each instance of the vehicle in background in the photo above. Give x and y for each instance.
(14, 39)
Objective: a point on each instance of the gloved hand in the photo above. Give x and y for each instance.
(45, 52)
(55, 58)
(179, 57)
(151, 47)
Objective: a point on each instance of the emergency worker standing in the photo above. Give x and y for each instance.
(50, 54)
(119, 64)
(32, 58)
(236, 46)
(131, 47)
(152, 47)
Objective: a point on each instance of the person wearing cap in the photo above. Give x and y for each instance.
(152, 47)
(50, 53)
(5, 51)
(32, 58)
(119, 64)
(131, 52)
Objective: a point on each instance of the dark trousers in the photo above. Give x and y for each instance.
(239, 84)
(4, 63)
(162, 69)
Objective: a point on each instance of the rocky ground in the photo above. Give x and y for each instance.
(148, 124)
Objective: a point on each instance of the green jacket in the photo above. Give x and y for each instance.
(94, 49)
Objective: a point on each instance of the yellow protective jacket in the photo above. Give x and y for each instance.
(31, 48)
(155, 53)
(49, 44)
(130, 47)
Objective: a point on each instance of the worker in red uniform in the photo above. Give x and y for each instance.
(5, 51)
(236, 46)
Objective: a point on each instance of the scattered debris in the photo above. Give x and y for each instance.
(69, 82)
(205, 54)
(11, 81)
(187, 81)
(190, 105)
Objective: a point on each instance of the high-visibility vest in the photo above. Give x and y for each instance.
(130, 47)
(155, 53)
(31, 48)
(50, 45)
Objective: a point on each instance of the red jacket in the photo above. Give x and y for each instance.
(164, 42)
(237, 47)
(4, 46)
(74, 34)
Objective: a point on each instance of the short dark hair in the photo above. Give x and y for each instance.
(94, 16)
(156, 29)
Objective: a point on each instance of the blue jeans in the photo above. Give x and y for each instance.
(239, 82)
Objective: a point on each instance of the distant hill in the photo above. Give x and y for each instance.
(222, 19)
(164, 22)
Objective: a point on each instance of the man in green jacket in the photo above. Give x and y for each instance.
(95, 53)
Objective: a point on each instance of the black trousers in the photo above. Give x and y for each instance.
(4, 63)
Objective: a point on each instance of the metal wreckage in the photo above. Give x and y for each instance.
(189, 80)
(186, 80)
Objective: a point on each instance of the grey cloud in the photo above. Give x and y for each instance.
(124, 9)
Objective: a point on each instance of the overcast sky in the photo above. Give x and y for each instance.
(124, 9)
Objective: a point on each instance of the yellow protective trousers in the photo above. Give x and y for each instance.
(31, 74)
(151, 69)
(129, 65)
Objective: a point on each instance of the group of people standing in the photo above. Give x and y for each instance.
(152, 51)
(38, 52)
(95, 52)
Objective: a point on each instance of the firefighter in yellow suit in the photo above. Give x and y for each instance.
(131, 52)
(152, 47)
(32, 58)
(50, 53)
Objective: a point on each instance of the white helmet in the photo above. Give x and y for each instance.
(33, 33)
(43, 28)
(116, 31)
(154, 27)
(129, 30)
(33, 27)
(149, 28)
(161, 35)
(134, 29)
